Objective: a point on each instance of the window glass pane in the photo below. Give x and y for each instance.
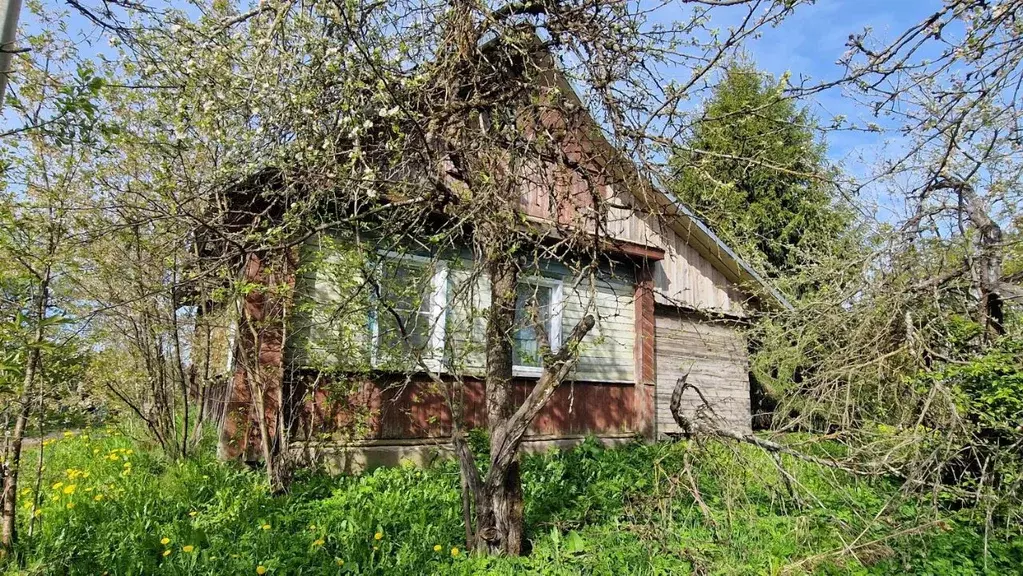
(526, 348)
(405, 291)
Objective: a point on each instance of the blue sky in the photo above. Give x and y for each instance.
(807, 45)
(811, 41)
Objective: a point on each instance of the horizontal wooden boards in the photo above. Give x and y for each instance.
(714, 355)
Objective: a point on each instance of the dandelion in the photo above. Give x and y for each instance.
(454, 552)
(261, 570)
(70, 489)
(98, 497)
(70, 505)
(265, 526)
(378, 536)
(437, 548)
(165, 541)
(318, 542)
(188, 549)
(192, 513)
(38, 513)
(58, 485)
(166, 553)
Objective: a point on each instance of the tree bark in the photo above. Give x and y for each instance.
(499, 529)
(986, 261)
(8, 529)
(498, 498)
(11, 467)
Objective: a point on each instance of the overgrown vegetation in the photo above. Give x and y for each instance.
(110, 506)
(152, 198)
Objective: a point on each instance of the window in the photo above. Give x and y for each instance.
(411, 289)
(546, 295)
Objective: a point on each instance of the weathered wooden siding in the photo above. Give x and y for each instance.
(567, 194)
(395, 409)
(684, 277)
(715, 356)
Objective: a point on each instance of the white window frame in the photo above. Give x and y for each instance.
(557, 309)
(433, 354)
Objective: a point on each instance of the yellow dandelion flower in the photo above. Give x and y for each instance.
(166, 552)
(188, 549)
(58, 485)
(192, 513)
(261, 570)
(70, 505)
(437, 548)
(98, 497)
(454, 552)
(318, 542)
(165, 541)
(38, 513)
(70, 489)
(378, 536)
(265, 526)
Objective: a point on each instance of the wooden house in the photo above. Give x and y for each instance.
(673, 301)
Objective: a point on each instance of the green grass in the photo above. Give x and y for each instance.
(589, 511)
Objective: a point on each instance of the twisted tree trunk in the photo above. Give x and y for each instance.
(497, 497)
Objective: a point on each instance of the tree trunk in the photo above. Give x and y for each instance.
(8, 529)
(500, 525)
(498, 498)
(986, 261)
(8, 512)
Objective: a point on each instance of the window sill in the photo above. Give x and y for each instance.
(527, 371)
(530, 373)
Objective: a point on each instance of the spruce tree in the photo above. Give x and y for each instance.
(755, 172)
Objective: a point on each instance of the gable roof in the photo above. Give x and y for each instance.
(680, 218)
